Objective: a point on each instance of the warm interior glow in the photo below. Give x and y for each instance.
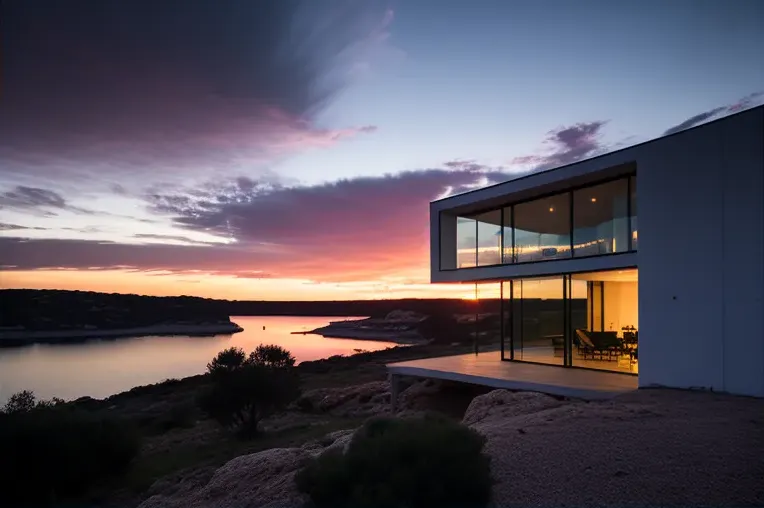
(594, 200)
(551, 209)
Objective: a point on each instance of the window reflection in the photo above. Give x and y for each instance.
(507, 254)
(489, 238)
(600, 219)
(539, 320)
(633, 185)
(590, 221)
(466, 242)
(542, 229)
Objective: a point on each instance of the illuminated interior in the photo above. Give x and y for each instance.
(588, 320)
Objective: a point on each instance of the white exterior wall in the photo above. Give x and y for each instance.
(700, 197)
(701, 257)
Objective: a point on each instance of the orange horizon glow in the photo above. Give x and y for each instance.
(223, 287)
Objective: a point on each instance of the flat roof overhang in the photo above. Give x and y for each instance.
(497, 273)
(544, 183)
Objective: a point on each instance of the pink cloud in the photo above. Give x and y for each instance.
(352, 230)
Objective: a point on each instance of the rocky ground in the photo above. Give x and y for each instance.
(648, 448)
(652, 447)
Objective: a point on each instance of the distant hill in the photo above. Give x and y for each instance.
(58, 309)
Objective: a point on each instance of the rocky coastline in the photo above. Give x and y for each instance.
(398, 326)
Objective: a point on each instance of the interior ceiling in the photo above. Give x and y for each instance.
(626, 275)
(551, 215)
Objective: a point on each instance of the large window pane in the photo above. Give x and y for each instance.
(489, 238)
(542, 229)
(539, 320)
(609, 339)
(507, 255)
(633, 185)
(489, 317)
(600, 219)
(466, 242)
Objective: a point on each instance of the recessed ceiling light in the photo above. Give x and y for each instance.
(594, 200)
(551, 209)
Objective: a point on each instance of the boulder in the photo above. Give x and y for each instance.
(258, 480)
(499, 405)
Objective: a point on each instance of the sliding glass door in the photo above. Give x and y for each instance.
(563, 320)
(534, 320)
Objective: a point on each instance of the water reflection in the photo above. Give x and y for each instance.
(102, 368)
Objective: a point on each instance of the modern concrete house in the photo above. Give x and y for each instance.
(647, 262)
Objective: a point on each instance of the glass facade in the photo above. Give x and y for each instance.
(466, 242)
(585, 320)
(601, 219)
(542, 229)
(595, 220)
(489, 238)
(633, 210)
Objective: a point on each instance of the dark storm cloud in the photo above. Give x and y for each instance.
(127, 84)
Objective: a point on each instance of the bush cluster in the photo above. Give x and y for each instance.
(416, 463)
(51, 452)
(245, 389)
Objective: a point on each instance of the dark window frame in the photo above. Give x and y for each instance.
(567, 319)
(570, 191)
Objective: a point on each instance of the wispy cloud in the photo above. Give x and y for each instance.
(567, 145)
(4, 226)
(746, 102)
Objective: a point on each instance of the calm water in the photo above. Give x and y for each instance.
(103, 368)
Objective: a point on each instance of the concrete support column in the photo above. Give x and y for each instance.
(394, 391)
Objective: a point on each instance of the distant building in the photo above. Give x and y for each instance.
(647, 261)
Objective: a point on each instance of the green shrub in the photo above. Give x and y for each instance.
(53, 453)
(415, 463)
(246, 389)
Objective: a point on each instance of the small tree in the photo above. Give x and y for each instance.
(227, 361)
(246, 389)
(20, 402)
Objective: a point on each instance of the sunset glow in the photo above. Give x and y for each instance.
(290, 151)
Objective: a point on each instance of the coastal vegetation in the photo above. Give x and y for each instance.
(417, 462)
(245, 389)
(96, 452)
(51, 451)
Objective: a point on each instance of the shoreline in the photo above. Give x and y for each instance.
(345, 332)
(26, 337)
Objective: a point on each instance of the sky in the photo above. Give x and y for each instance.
(288, 150)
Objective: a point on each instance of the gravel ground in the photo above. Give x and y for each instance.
(646, 448)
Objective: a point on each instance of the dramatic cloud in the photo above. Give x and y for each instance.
(568, 145)
(114, 87)
(744, 103)
(351, 230)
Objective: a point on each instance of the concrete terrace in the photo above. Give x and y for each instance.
(487, 369)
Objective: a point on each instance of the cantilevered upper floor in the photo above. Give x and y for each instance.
(580, 217)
